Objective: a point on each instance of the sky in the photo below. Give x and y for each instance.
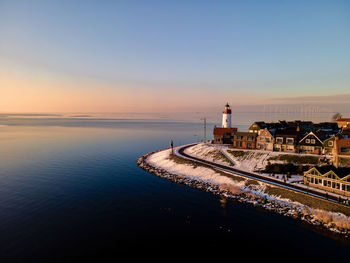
(172, 56)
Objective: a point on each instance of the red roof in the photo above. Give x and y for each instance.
(343, 119)
(222, 131)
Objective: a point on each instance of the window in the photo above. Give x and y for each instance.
(217, 139)
(345, 149)
(279, 140)
(330, 143)
(267, 139)
(307, 140)
(290, 148)
(313, 141)
(290, 140)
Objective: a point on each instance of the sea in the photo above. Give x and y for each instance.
(70, 191)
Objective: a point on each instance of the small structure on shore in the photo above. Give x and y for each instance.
(329, 178)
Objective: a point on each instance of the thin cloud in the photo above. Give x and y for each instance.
(326, 99)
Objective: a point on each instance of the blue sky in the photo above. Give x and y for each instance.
(148, 51)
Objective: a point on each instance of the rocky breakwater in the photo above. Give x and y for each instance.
(257, 198)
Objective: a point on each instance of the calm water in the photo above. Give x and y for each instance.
(71, 191)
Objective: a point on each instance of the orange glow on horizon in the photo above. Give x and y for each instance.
(22, 92)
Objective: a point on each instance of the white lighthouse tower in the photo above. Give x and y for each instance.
(226, 117)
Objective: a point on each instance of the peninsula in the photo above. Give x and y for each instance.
(290, 168)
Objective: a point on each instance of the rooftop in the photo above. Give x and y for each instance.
(340, 171)
(343, 119)
(221, 131)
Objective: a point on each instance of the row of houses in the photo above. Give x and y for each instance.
(331, 138)
(293, 137)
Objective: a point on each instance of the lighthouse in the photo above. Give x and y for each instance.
(226, 117)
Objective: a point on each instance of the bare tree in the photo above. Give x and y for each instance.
(336, 116)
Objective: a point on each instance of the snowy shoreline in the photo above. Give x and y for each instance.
(161, 163)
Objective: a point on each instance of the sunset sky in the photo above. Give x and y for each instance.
(132, 56)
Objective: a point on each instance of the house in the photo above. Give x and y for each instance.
(223, 135)
(312, 143)
(257, 126)
(304, 126)
(328, 145)
(342, 147)
(343, 122)
(329, 178)
(329, 127)
(265, 140)
(341, 151)
(286, 140)
(244, 140)
(345, 133)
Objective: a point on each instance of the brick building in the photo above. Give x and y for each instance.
(244, 140)
(224, 135)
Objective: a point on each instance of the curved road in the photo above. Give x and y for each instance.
(324, 196)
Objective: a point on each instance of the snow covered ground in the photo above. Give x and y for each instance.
(250, 162)
(209, 152)
(200, 173)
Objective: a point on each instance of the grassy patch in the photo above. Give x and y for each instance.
(242, 155)
(307, 200)
(296, 159)
(179, 160)
(252, 182)
(218, 155)
(288, 168)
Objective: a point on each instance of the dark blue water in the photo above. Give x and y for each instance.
(69, 193)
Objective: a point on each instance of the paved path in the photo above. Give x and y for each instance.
(329, 197)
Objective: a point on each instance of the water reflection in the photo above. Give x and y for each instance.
(78, 189)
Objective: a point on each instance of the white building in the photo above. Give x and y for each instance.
(226, 117)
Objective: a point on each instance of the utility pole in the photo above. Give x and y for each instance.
(205, 130)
